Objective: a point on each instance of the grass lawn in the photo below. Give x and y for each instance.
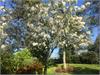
(79, 69)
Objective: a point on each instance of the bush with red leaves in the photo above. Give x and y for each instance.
(30, 69)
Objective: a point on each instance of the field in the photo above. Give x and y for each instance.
(80, 69)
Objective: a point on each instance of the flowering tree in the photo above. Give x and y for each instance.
(69, 28)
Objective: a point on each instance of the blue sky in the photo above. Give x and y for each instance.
(96, 31)
(80, 2)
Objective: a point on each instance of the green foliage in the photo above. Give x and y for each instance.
(89, 58)
(23, 58)
(70, 55)
(93, 21)
(75, 59)
(29, 2)
(11, 61)
(97, 44)
(53, 62)
(7, 62)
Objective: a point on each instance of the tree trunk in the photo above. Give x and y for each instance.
(45, 69)
(45, 66)
(64, 59)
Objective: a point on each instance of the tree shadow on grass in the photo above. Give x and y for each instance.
(79, 70)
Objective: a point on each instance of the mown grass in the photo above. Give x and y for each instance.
(79, 69)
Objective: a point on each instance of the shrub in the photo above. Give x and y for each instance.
(63, 70)
(30, 69)
(7, 62)
(23, 57)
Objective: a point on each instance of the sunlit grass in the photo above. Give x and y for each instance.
(51, 70)
(91, 66)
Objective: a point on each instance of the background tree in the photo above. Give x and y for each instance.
(86, 57)
(95, 47)
(97, 44)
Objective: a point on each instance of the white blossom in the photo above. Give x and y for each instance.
(64, 3)
(32, 8)
(52, 32)
(83, 7)
(66, 45)
(76, 8)
(1, 7)
(44, 44)
(82, 23)
(46, 36)
(51, 19)
(88, 32)
(3, 18)
(64, 42)
(49, 4)
(83, 44)
(80, 18)
(34, 43)
(3, 46)
(66, 30)
(4, 24)
(81, 36)
(88, 3)
(53, 12)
